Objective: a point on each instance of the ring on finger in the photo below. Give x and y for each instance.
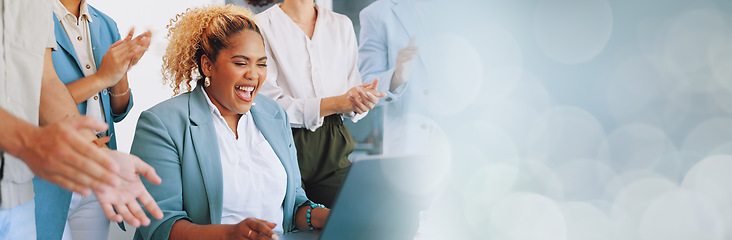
(250, 233)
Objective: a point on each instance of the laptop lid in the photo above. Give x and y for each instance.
(373, 203)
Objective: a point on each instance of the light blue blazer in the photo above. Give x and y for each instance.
(386, 27)
(177, 137)
(52, 201)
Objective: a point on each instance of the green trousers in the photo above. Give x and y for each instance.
(323, 158)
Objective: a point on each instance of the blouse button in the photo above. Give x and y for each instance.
(78, 38)
(88, 66)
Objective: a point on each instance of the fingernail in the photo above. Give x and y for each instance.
(275, 237)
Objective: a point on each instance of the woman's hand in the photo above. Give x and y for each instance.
(365, 97)
(318, 216)
(404, 63)
(358, 99)
(125, 201)
(253, 228)
(121, 56)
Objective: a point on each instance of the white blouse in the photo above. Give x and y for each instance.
(255, 181)
(301, 71)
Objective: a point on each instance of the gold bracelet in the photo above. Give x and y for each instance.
(117, 95)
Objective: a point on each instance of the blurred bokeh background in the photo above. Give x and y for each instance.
(560, 119)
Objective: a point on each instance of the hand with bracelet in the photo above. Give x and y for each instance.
(311, 216)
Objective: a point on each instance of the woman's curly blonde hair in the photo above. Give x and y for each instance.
(197, 32)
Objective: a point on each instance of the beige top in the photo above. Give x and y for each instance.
(27, 31)
(77, 30)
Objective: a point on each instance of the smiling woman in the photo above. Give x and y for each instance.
(233, 78)
(226, 156)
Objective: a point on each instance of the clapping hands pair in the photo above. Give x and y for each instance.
(365, 97)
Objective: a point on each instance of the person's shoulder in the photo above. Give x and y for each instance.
(378, 8)
(270, 104)
(173, 107)
(100, 15)
(265, 15)
(337, 18)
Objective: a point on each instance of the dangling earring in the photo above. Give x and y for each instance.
(206, 82)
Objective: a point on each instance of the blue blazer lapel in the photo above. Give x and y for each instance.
(63, 40)
(406, 15)
(270, 125)
(206, 145)
(98, 51)
(94, 28)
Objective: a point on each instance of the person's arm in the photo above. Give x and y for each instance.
(363, 97)
(114, 65)
(301, 200)
(302, 112)
(153, 143)
(120, 93)
(124, 202)
(112, 73)
(56, 105)
(58, 151)
(250, 228)
(373, 53)
(120, 96)
(318, 216)
(374, 58)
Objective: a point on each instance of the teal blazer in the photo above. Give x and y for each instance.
(104, 33)
(177, 137)
(52, 201)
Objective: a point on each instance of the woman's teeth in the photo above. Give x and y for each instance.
(247, 89)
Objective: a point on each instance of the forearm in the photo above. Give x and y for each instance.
(183, 229)
(84, 88)
(317, 217)
(397, 80)
(119, 96)
(56, 102)
(14, 132)
(333, 105)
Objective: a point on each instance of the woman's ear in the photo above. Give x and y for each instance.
(206, 65)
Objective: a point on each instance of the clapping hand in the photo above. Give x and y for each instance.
(122, 55)
(404, 63)
(123, 198)
(365, 97)
(61, 154)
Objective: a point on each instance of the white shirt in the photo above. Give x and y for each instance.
(27, 31)
(255, 181)
(301, 71)
(77, 29)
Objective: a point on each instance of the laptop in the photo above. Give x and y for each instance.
(370, 204)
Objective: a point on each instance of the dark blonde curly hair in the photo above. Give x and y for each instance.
(261, 3)
(197, 32)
